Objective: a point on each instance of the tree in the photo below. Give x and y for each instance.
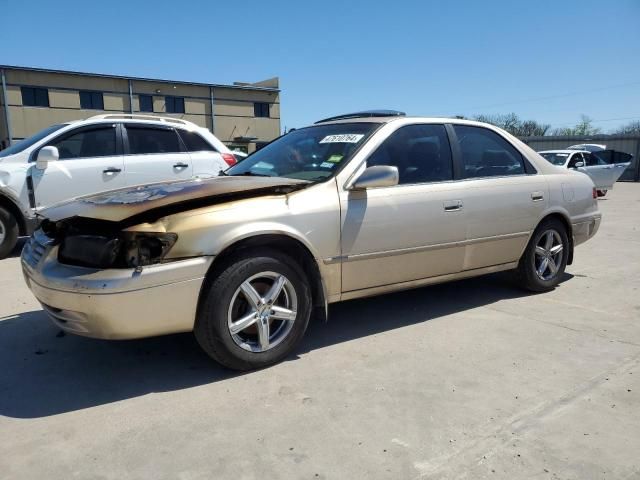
(583, 127)
(631, 127)
(512, 124)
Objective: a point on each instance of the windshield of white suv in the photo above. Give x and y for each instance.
(312, 153)
(27, 142)
(556, 158)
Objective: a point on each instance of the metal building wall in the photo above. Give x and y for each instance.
(227, 110)
(622, 143)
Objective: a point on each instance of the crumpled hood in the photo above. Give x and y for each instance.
(119, 205)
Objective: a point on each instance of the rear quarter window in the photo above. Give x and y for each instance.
(194, 142)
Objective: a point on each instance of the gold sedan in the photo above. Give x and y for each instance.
(349, 207)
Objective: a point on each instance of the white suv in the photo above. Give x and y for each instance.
(101, 153)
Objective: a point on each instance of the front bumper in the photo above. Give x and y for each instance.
(115, 303)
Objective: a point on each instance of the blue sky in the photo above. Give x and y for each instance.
(546, 60)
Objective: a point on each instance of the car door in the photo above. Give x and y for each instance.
(503, 196)
(90, 161)
(154, 153)
(409, 231)
(619, 161)
(600, 171)
(206, 160)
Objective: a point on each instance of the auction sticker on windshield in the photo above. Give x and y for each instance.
(343, 138)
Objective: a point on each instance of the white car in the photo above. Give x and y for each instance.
(604, 167)
(101, 153)
(589, 147)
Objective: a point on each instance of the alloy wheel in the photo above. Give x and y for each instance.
(2, 232)
(548, 255)
(262, 311)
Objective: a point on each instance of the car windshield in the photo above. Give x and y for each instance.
(556, 158)
(312, 153)
(27, 142)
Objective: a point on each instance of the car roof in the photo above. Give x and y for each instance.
(562, 151)
(457, 121)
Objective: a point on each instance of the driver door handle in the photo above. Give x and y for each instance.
(111, 170)
(180, 165)
(452, 205)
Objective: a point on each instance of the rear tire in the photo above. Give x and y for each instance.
(601, 193)
(545, 258)
(8, 233)
(255, 311)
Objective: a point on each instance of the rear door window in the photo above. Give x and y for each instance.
(145, 140)
(487, 154)
(611, 157)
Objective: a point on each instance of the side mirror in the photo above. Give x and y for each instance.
(578, 165)
(46, 155)
(377, 176)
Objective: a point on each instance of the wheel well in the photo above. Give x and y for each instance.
(567, 225)
(12, 208)
(287, 245)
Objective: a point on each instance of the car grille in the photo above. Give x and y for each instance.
(35, 248)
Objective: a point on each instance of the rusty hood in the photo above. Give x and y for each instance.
(168, 197)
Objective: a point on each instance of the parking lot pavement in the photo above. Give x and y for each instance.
(473, 379)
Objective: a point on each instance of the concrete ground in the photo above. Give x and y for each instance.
(473, 379)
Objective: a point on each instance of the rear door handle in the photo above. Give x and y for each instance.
(452, 205)
(180, 165)
(537, 196)
(111, 170)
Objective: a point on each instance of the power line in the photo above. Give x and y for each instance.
(552, 97)
(599, 121)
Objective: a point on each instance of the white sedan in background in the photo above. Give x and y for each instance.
(604, 167)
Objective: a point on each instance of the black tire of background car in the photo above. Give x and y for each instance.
(526, 274)
(10, 233)
(211, 328)
(601, 193)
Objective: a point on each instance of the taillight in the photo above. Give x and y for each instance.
(229, 159)
(595, 192)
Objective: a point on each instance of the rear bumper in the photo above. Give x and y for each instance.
(122, 303)
(584, 229)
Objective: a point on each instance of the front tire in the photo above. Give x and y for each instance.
(545, 258)
(255, 311)
(8, 233)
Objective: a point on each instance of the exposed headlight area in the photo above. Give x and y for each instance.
(105, 249)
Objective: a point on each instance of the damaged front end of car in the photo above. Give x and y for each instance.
(120, 229)
(100, 244)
